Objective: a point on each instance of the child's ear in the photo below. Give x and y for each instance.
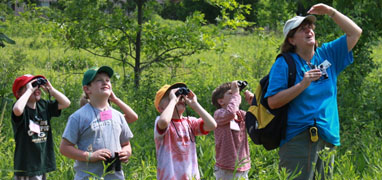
(20, 92)
(163, 104)
(220, 101)
(160, 109)
(86, 89)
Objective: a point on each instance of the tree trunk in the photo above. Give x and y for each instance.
(137, 68)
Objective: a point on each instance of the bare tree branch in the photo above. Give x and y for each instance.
(158, 59)
(96, 54)
(130, 42)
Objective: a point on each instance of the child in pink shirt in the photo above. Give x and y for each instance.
(175, 134)
(231, 142)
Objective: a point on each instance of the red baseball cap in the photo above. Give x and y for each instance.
(22, 81)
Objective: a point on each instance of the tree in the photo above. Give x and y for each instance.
(3, 37)
(137, 39)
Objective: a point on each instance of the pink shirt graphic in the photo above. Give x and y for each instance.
(231, 145)
(175, 149)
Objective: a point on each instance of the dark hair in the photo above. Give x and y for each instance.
(287, 46)
(219, 92)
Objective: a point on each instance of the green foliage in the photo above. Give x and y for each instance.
(112, 33)
(10, 65)
(273, 13)
(3, 37)
(180, 10)
(232, 13)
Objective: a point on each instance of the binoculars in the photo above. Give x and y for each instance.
(182, 91)
(40, 81)
(114, 162)
(242, 84)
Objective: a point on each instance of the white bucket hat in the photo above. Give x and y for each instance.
(295, 22)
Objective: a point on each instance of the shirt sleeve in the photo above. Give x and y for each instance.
(278, 77)
(53, 108)
(197, 126)
(71, 132)
(126, 134)
(225, 115)
(158, 132)
(336, 52)
(15, 118)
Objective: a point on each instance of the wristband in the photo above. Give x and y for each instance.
(89, 156)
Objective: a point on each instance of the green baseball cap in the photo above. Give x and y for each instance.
(93, 71)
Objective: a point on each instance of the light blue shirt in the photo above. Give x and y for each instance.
(318, 102)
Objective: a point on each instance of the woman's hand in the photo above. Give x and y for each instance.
(321, 9)
(311, 75)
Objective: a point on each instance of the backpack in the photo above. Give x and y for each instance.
(267, 126)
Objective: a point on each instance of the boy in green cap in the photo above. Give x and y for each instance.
(100, 132)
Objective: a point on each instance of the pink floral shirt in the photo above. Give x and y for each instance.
(176, 150)
(231, 145)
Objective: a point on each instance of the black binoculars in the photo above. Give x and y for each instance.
(39, 81)
(242, 84)
(182, 91)
(114, 162)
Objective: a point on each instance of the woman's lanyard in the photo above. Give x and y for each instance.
(303, 62)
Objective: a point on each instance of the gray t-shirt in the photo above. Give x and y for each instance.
(89, 132)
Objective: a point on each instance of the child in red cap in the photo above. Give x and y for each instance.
(34, 152)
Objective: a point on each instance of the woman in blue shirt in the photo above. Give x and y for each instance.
(313, 99)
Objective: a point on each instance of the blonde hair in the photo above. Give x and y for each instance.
(84, 99)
